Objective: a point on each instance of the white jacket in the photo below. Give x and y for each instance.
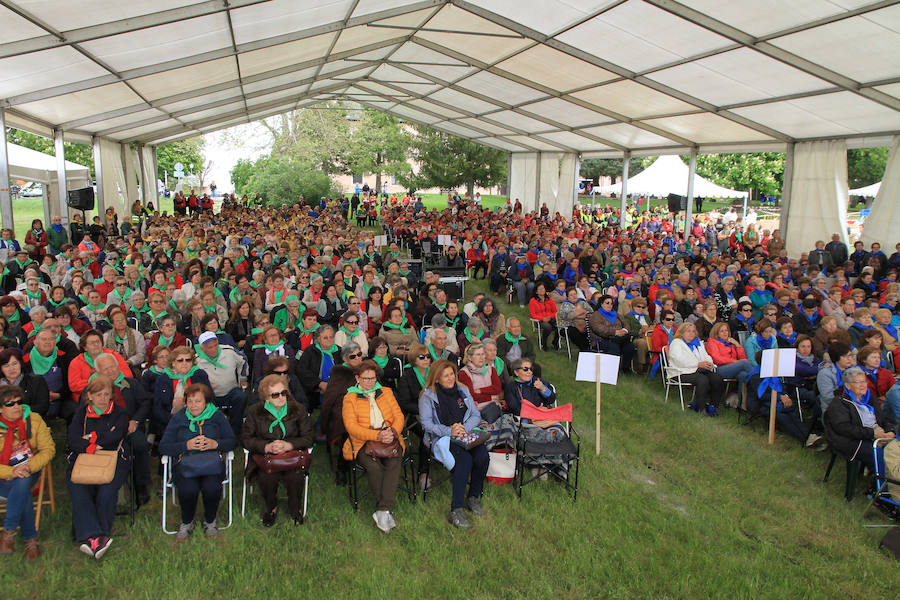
(683, 360)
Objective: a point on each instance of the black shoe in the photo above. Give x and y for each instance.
(298, 520)
(268, 518)
(142, 495)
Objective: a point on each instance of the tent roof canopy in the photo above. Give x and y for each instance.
(598, 77)
(31, 165)
(669, 175)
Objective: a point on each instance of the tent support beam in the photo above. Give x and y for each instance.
(537, 184)
(787, 186)
(5, 199)
(626, 166)
(98, 174)
(689, 206)
(60, 151)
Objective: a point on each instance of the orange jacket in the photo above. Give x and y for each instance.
(80, 372)
(356, 419)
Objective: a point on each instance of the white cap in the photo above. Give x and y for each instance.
(206, 336)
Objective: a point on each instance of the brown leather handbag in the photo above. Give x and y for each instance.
(292, 460)
(377, 449)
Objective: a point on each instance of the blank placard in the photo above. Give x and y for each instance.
(778, 362)
(587, 367)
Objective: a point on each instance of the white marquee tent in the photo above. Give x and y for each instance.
(869, 190)
(31, 165)
(669, 175)
(550, 81)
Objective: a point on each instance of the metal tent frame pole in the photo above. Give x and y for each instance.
(689, 207)
(5, 199)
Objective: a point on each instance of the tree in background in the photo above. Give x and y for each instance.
(594, 168)
(448, 162)
(81, 154)
(241, 174)
(866, 166)
(760, 172)
(320, 134)
(380, 145)
(188, 152)
(283, 179)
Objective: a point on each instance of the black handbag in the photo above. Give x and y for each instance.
(199, 463)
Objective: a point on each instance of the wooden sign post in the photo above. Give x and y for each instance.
(599, 368)
(776, 363)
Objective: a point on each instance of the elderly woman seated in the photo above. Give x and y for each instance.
(372, 417)
(350, 331)
(315, 364)
(196, 438)
(171, 385)
(473, 333)
(275, 425)
(397, 332)
(688, 358)
(612, 333)
(27, 448)
(854, 420)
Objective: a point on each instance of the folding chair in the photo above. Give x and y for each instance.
(562, 333)
(529, 453)
(168, 483)
(246, 485)
(536, 327)
(673, 378)
(45, 481)
(407, 475)
(882, 495)
(648, 339)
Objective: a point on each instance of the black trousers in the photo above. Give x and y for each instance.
(293, 483)
(709, 386)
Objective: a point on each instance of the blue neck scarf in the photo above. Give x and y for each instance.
(694, 343)
(609, 315)
(864, 401)
(764, 343)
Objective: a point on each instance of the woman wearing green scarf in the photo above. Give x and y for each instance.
(274, 425)
(199, 427)
(169, 398)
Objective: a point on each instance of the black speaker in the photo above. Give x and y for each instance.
(677, 202)
(81, 199)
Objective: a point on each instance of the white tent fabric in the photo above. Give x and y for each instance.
(818, 203)
(568, 186)
(31, 165)
(549, 184)
(883, 221)
(148, 176)
(669, 175)
(598, 76)
(523, 183)
(114, 185)
(867, 191)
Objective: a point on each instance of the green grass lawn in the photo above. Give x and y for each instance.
(675, 506)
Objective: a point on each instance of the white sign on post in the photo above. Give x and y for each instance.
(778, 362)
(381, 240)
(587, 368)
(444, 240)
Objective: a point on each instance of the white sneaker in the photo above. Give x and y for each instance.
(380, 517)
(813, 440)
(390, 520)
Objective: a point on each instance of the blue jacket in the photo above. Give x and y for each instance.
(515, 392)
(165, 393)
(178, 432)
(428, 415)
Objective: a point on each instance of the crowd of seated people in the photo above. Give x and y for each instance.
(248, 327)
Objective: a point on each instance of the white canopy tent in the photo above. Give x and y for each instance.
(597, 78)
(669, 175)
(30, 165)
(869, 190)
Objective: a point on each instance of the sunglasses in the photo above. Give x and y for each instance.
(351, 322)
(279, 372)
(281, 394)
(527, 369)
(669, 320)
(12, 403)
(354, 355)
(184, 359)
(746, 310)
(423, 357)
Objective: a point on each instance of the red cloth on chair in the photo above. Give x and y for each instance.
(535, 413)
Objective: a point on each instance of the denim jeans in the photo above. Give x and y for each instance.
(471, 467)
(94, 506)
(740, 370)
(19, 505)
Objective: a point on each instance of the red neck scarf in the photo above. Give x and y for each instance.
(12, 428)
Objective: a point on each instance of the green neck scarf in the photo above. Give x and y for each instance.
(269, 348)
(349, 334)
(182, 378)
(211, 359)
(154, 317)
(381, 361)
(36, 295)
(209, 309)
(431, 351)
(440, 307)
(278, 295)
(330, 351)
(399, 327)
(118, 382)
(89, 361)
(279, 414)
(208, 412)
(141, 310)
(120, 296)
(255, 285)
(451, 322)
(154, 369)
(468, 335)
(256, 331)
(355, 390)
(40, 364)
(164, 341)
(119, 340)
(421, 377)
(513, 340)
(499, 364)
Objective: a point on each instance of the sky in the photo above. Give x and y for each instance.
(224, 148)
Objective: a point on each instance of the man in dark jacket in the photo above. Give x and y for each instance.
(512, 344)
(500, 265)
(853, 420)
(837, 249)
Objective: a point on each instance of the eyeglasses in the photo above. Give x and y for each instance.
(747, 309)
(184, 359)
(281, 394)
(526, 369)
(12, 403)
(351, 322)
(120, 285)
(354, 355)
(373, 378)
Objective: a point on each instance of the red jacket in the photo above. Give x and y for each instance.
(474, 255)
(881, 382)
(484, 394)
(80, 372)
(177, 341)
(104, 288)
(722, 354)
(541, 310)
(659, 339)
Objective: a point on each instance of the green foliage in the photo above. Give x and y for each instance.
(866, 166)
(761, 171)
(379, 145)
(321, 135)
(188, 152)
(448, 162)
(240, 176)
(283, 179)
(81, 154)
(594, 168)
